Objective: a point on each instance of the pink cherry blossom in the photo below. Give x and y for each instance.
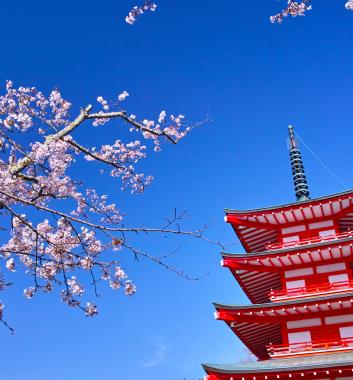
(10, 265)
(130, 288)
(349, 5)
(91, 309)
(29, 292)
(123, 96)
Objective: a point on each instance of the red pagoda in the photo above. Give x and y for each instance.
(297, 272)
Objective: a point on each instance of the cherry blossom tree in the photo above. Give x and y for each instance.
(57, 229)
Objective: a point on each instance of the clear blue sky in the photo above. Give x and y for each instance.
(195, 57)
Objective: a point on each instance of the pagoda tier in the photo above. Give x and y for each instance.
(328, 366)
(293, 224)
(293, 328)
(264, 275)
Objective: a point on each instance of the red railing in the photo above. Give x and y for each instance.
(317, 239)
(296, 349)
(336, 287)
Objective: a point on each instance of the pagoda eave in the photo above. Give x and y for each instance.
(316, 366)
(299, 305)
(267, 261)
(262, 268)
(293, 250)
(259, 326)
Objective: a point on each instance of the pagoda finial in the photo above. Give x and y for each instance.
(300, 182)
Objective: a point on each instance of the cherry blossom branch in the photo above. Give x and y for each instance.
(299, 8)
(139, 10)
(15, 169)
(122, 115)
(68, 295)
(294, 9)
(84, 115)
(178, 231)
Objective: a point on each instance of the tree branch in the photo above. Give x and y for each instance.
(23, 163)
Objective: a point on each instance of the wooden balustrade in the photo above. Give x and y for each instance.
(297, 349)
(318, 239)
(330, 288)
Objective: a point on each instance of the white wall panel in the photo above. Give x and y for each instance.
(304, 323)
(331, 268)
(299, 272)
(299, 337)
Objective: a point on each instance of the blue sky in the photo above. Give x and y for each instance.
(195, 57)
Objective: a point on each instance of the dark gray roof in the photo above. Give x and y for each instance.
(286, 250)
(290, 364)
(284, 303)
(227, 210)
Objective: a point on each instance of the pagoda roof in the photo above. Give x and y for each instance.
(289, 365)
(260, 325)
(280, 305)
(260, 227)
(293, 205)
(252, 269)
(295, 249)
(299, 248)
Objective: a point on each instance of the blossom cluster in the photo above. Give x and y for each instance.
(48, 252)
(21, 106)
(349, 5)
(122, 157)
(294, 8)
(139, 10)
(171, 129)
